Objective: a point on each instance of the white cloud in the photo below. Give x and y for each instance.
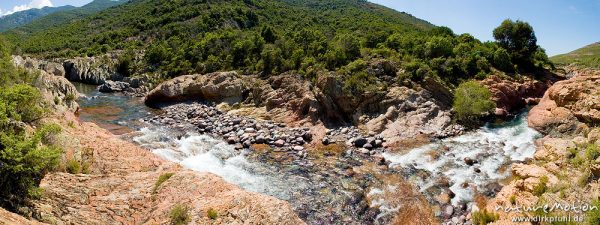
(33, 4)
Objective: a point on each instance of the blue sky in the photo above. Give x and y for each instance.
(560, 25)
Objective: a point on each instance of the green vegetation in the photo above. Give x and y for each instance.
(212, 214)
(73, 166)
(180, 215)
(62, 15)
(588, 56)
(271, 37)
(25, 155)
(592, 217)
(161, 179)
(483, 217)
(541, 187)
(472, 101)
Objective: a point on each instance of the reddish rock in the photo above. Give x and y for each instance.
(513, 94)
(569, 105)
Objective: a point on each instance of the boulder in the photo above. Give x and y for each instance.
(568, 106)
(113, 86)
(216, 87)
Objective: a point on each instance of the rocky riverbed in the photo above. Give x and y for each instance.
(348, 176)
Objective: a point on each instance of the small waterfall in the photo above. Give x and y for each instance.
(493, 148)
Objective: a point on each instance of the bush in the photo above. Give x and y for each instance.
(472, 101)
(212, 214)
(73, 166)
(593, 216)
(483, 217)
(541, 187)
(179, 215)
(25, 161)
(161, 179)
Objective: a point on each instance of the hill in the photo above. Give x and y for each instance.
(268, 37)
(70, 14)
(588, 56)
(25, 17)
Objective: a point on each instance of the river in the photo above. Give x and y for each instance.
(317, 190)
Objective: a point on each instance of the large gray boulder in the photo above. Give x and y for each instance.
(113, 86)
(216, 87)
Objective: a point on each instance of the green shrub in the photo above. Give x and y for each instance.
(179, 215)
(483, 217)
(70, 97)
(592, 217)
(472, 101)
(25, 160)
(212, 214)
(161, 179)
(541, 187)
(73, 166)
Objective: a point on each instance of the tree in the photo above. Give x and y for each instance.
(268, 34)
(472, 101)
(518, 38)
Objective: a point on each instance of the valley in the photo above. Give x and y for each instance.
(288, 112)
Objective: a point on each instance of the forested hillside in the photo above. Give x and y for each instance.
(271, 37)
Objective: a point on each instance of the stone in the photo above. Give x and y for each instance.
(469, 161)
(218, 87)
(360, 142)
(325, 141)
(113, 86)
(448, 211)
(368, 146)
(279, 143)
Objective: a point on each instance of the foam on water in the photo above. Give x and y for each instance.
(493, 147)
(206, 154)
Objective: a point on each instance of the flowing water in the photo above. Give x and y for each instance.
(493, 148)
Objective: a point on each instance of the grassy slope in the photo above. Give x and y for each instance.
(587, 56)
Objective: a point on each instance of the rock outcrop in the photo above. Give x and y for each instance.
(54, 68)
(7, 217)
(92, 70)
(510, 95)
(569, 105)
(220, 86)
(54, 87)
(113, 86)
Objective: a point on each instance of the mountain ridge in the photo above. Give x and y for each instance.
(24, 17)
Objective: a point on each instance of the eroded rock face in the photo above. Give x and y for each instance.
(53, 68)
(121, 189)
(510, 95)
(91, 70)
(220, 86)
(569, 105)
(54, 87)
